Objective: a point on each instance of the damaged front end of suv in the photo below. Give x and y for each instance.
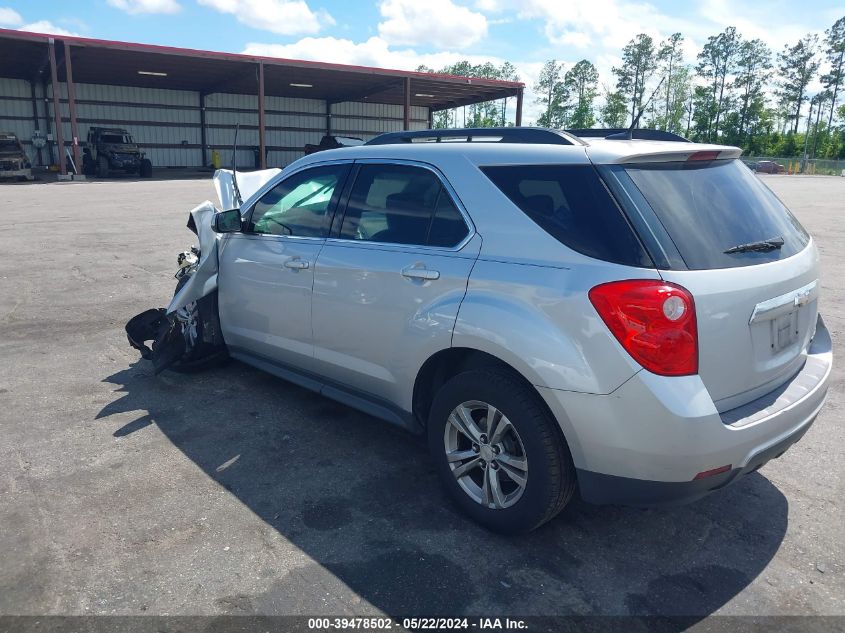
(185, 336)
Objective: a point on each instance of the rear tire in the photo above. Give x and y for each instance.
(531, 439)
(146, 168)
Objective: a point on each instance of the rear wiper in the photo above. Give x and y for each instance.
(762, 246)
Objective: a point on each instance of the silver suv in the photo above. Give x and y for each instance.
(629, 317)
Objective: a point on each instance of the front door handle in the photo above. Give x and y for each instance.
(296, 264)
(420, 273)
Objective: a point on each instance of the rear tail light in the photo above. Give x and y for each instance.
(654, 321)
(704, 155)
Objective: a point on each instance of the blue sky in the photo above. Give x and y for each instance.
(406, 33)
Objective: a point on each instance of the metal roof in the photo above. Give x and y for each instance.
(23, 55)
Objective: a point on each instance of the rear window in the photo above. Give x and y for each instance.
(571, 204)
(707, 208)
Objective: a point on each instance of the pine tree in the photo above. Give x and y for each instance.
(615, 109)
(716, 62)
(798, 66)
(638, 65)
(551, 93)
(835, 55)
(581, 81)
(753, 69)
(670, 57)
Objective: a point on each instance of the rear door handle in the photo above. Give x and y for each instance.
(296, 264)
(420, 273)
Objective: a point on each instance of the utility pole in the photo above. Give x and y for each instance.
(807, 137)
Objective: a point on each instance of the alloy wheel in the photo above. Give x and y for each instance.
(486, 454)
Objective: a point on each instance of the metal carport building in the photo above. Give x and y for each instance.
(181, 104)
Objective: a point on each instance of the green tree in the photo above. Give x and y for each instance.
(753, 69)
(670, 57)
(834, 53)
(581, 81)
(716, 62)
(551, 93)
(638, 64)
(798, 66)
(615, 109)
(507, 72)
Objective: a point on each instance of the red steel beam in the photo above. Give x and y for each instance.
(262, 146)
(57, 112)
(406, 119)
(71, 102)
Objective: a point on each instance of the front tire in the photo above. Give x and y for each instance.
(499, 452)
(102, 167)
(194, 321)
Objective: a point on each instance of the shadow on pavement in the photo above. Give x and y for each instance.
(361, 499)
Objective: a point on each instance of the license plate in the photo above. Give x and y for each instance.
(784, 330)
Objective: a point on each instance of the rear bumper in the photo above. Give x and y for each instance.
(603, 489)
(645, 443)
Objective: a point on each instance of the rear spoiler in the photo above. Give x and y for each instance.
(694, 153)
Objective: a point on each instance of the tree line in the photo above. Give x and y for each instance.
(739, 92)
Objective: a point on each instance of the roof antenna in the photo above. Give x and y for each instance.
(629, 133)
(235, 188)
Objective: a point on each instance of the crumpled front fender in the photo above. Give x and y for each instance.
(204, 280)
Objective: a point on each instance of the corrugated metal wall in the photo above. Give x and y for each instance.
(166, 123)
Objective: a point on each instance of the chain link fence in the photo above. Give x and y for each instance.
(795, 165)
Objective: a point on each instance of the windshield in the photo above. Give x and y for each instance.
(709, 207)
(117, 139)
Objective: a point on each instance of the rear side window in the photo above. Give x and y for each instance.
(571, 204)
(711, 207)
(401, 204)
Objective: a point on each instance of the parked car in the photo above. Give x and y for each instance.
(113, 149)
(634, 319)
(769, 167)
(14, 163)
(332, 142)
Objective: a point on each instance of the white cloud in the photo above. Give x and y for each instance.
(284, 17)
(146, 6)
(490, 6)
(437, 23)
(9, 17)
(45, 26)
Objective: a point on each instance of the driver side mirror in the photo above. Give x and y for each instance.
(227, 221)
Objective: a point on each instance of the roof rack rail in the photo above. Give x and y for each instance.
(620, 133)
(536, 135)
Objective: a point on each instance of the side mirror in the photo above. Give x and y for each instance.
(227, 221)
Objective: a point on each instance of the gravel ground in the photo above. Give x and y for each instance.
(233, 492)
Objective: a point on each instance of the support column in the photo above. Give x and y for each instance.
(35, 123)
(203, 140)
(71, 100)
(406, 118)
(262, 146)
(328, 118)
(430, 119)
(57, 111)
(47, 127)
(518, 120)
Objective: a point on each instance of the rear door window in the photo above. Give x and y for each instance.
(401, 204)
(571, 203)
(710, 207)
